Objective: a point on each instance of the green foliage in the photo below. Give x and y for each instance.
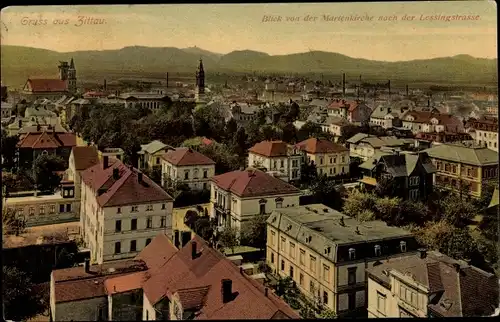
(308, 173)
(288, 290)
(8, 150)
(254, 233)
(12, 224)
(43, 171)
(225, 160)
(209, 122)
(327, 314)
(312, 130)
(457, 211)
(386, 187)
(228, 238)
(357, 202)
(325, 192)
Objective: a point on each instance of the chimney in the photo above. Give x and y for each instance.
(139, 177)
(406, 91)
(105, 162)
(38, 127)
(429, 102)
(105, 86)
(167, 80)
(194, 251)
(343, 84)
(389, 85)
(266, 291)
(116, 174)
(457, 267)
(226, 290)
(87, 265)
(20, 123)
(423, 253)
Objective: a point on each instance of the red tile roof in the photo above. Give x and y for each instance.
(126, 190)
(47, 85)
(84, 157)
(186, 157)
(350, 105)
(47, 140)
(314, 145)
(158, 252)
(124, 283)
(197, 282)
(253, 183)
(270, 148)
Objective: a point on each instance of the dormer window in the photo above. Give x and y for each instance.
(402, 245)
(149, 208)
(352, 254)
(378, 250)
(328, 250)
(134, 209)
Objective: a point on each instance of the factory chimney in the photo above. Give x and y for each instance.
(167, 80)
(407, 91)
(343, 84)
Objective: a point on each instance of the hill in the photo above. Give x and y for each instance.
(19, 63)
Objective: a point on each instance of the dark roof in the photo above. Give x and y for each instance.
(47, 140)
(466, 292)
(85, 157)
(253, 183)
(314, 145)
(126, 190)
(186, 157)
(270, 148)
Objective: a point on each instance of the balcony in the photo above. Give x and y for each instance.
(220, 208)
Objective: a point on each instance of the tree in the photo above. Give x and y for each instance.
(254, 233)
(239, 142)
(225, 160)
(327, 314)
(385, 187)
(325, 192)
(11, 223)
(356, 202)
(287, 289)
(44, 169)
(289, 133)
(230, 129)
(348, 131)
(308, 173)
(228, 238)
(457, 211)
(8, 150)
(387, 208)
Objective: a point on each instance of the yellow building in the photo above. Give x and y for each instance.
(330, 158)
(150, 154)
(458, 165)
(326, 253)
(430, 285)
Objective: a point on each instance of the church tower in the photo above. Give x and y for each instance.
(72, 77)
(200, 83)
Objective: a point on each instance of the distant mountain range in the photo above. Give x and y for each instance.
(18, 63)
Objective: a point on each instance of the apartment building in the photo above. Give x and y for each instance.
(195, 282)
(121, 210)
(484, 131)
(459, 166)
(364, 146)
(150, 154)
(355, 112)
(429, 285)
(278, 158)
(187, 166)
(431, 121)
(237, 196)
(331, 159)
(326, 253)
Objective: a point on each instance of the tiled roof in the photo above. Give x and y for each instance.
(47, 85)
(153, 147)
(270, 148)
(186, 157)
(463, 292)
(253, 183)
(314, 145)
(84, 157)
(126, 190)
(197, 282)
(47, 140)
(158, 252)
(350, 105)
(463, 154)
(125, 282)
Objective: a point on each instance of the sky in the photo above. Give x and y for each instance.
(223, 28)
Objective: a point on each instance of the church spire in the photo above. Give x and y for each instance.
(200, 67)
(72, 64)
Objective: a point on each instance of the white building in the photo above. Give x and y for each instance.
(187, 166)
(121, 210)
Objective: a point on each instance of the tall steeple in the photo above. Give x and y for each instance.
(72, 77)
(200, 82)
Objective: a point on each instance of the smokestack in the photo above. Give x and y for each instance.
(406, 91)
(105, 86)
(428, 102)
(139, 177)
(389, 85)
(226, 290)
(423, 253)
(266, 291)
(86, 264)
(343, 84)
(105, 162)
(167, 80)
(193, 250)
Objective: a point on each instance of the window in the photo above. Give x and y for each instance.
(283, 240)
(343, 159)
(301, 279)
(282, 164)
(118, 210)
(42, 210)
(279, 202)
(454, 169)
(186, 174)
(149, 208)
(302, 257)
(31, 211)
(205, 186)
(320, 160)
(147, 315)
(311, 286)
(272, 258)
(205, 174)
(162, 206)
(325, 297)
(381, 302)
(351, 275)
(118, 248)
(262, 209)
(157, 160)
(118, 226)
(326, 273)
(334, 160)
(68, 207)
(402, 245)
(195, 174)
(275, 164)
(283, 265)
(331, 160)
(331, 171)
(273, 238)
(352, 254)
(149, 222)
(292, 250)
(312, 263)
(135, 209)
(133, 245)
(61, 208)
(291, 271)
(414, 194)
(352, 301)
(163, 222)
(414, 181)
(378, 250)
(295, 163)
(65, 193)
(133, 224)
(148, 241)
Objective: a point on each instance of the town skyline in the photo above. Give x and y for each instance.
(222, 29)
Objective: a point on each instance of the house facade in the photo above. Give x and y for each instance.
(33, 144)
(461, 166)
(484, 131)
(326, 253)
(430, 284)
(277, 157)
(121, 210)
(364, 146)
(152, 101)
(150, 154)
(331, 159)
(187, 166)
(432, 121)
(355, 112)
(238, 196)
